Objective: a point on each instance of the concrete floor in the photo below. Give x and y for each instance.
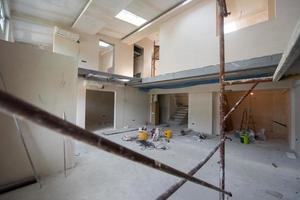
(99, 175)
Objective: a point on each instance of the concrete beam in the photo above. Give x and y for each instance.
(255, 67)
(290, 55)
(107, 77)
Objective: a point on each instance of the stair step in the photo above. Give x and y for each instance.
(181, 113)
(179, 116)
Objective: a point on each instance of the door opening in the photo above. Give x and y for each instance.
(99, 110)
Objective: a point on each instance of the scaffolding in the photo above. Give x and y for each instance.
(22, 109)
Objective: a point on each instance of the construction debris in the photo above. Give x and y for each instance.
(12, 104)
(291, 155)
(274, 194)
(274, 165)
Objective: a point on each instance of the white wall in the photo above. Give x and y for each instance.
(147, 45)
(123, 55)
(200, 112)
(189, 40)
(131, 105)
(64, 46)
(48, 81)
(106, 60)
(88, 51)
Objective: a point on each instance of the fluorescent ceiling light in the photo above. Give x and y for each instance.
(103, 44)
(124, 79)
(131, 18)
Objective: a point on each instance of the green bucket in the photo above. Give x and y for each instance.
(244, 139)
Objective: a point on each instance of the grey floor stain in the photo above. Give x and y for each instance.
(274, 194)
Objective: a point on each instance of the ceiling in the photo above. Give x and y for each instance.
(33, 20)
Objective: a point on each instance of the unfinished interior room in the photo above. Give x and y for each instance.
(150, 99)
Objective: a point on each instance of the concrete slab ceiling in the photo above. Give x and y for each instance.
(290, 61)
(101, 14)
(255, 67)
(91, 16)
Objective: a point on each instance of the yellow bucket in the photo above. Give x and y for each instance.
(168, 133)
(143, 135)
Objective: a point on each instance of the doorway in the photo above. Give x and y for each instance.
(170, 109)
(106, 57)
(138, 61)
(99, 112)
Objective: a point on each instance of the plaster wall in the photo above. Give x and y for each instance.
(87, 52)
(131, 105)
(106, 60)
(200, 112)
(65, 46)
(147, 45)
(123, 55)
(48, 81)
(185, 44)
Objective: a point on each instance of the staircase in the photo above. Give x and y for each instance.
(180, 116)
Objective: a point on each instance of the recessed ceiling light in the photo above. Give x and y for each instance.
(131, 18)
(103, 44)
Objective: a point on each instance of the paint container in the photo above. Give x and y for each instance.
(143, 135)
(244, 139)
(168, 133)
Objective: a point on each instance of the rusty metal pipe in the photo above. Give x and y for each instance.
(239, 101)
(171, 190)
(11, 104)
(222, 12)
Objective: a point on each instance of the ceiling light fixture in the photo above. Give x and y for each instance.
(123, 79)
(131, 18)
(103, 44)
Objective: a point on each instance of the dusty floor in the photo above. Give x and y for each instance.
(99, 175)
